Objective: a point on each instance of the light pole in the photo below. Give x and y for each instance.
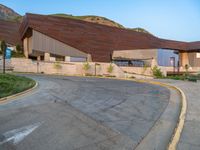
(172, 61)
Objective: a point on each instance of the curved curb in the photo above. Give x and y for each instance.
(8, 98)
(177, 133)
(179, 128)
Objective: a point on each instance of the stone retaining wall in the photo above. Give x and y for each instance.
(64, 68)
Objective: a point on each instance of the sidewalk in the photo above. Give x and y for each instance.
(190, 138)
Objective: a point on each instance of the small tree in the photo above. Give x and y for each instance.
(57, 65)
(157, 72)
(3, 49)
(110, 68)
(86, 67)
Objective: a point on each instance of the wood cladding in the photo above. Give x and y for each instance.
(98, 40)
(9, 31)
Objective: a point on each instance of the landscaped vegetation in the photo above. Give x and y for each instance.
(12, 84)
(18, 53)
(110, 68)
(157, 73)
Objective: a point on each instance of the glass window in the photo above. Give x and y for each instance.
(78, 59)
(165, 57)
(198, 55)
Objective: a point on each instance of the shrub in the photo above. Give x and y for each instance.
(57, 65)
(157, 72)
(110, 68)
(86, 66)
(17, 55)
(177, 77)
(18, 49)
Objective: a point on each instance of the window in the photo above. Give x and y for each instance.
(164, 56)
(78, 59)
(198, 55)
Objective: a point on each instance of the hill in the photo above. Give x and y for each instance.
(101, 20)
(9, 14)
(94, 19)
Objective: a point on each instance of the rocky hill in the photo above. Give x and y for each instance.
(9, 14)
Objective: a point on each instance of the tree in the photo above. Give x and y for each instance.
(18, 48)
(3, 49)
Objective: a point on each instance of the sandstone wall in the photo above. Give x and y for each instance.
(64, 68)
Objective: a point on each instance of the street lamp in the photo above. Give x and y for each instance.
(172, 61)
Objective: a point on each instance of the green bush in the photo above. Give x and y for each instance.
(19, 49)
(110, 68)
(157, 72)
(198, 74)
(86, 66)
(177, 77)
(17, 55)
(57, 65)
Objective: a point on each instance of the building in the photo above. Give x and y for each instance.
(52, 38)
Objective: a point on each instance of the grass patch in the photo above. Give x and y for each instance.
(192, 78)
(177, 77)
(11, 84)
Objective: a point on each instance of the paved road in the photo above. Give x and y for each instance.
(72, 113)
(190, 138)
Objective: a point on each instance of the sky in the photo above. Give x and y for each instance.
(169, 19)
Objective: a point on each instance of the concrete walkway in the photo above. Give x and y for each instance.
(190, 138)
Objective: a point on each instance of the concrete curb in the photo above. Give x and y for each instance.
(177, 133)
(8, 98)
(179, 128)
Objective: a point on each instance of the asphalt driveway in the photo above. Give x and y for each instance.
(68, 113)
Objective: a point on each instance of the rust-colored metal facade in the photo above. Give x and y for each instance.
(98, 40)
(9, 31)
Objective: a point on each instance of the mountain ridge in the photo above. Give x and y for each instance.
(9, 14)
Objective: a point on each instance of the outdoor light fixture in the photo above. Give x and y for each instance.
(172, 61)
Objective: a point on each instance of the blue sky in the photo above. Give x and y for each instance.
(171, 19)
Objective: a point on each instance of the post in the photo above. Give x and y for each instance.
(95, 65)
(3, 48)
(37, 66)
(178, 67)
(111, 59)
(4, 62)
